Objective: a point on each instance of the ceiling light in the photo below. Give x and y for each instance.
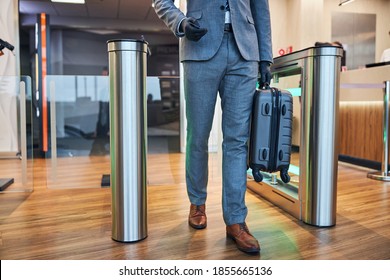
(344, 2)
(69, 1)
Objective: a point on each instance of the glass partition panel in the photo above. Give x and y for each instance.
(293, 85)
(163, 116)
(16, 151)
(79, 155)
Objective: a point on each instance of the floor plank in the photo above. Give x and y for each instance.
(75, 222)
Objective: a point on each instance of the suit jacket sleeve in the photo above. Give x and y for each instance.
(169, 14)
(261, 17)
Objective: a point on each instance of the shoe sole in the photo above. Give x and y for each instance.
(249, 251)
(197, 227)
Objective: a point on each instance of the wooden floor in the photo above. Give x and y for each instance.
(69, 221)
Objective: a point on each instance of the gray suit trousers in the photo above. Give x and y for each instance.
(235, 79)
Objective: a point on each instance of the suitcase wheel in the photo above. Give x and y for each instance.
(257, 175)
(284, 176)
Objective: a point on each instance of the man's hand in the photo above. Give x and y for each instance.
(192, 30)
(265, 73)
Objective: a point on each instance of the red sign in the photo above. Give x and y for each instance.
(288, 50)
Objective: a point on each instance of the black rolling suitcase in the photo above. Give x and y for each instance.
(271, 133)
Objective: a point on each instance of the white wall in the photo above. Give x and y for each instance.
(296, 23)
(9, 69)
(301, 23)
(279, 21)
(9, 31)
(379, 7)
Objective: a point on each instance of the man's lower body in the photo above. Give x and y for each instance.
(235, 80)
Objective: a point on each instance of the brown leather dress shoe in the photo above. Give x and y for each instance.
(197, 217)
(243, 238)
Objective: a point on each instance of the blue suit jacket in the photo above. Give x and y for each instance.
(250, 21)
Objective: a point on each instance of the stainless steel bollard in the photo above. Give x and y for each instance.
(384, 174)
(319, 146)
(128, 139)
